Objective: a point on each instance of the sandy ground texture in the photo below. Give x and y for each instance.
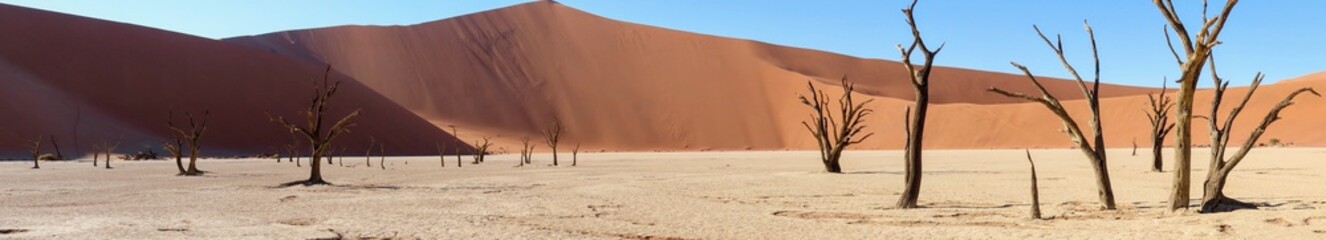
(968, 194)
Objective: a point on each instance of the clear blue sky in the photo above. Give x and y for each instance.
(1281, 38)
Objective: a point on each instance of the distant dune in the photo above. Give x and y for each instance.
(508, 73)
(91, 80)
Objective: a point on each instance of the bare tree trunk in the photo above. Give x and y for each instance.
(110, 149)
(1157, 161)
(575, 151)
(315, 176)
(1134, 146)
(1035, 191)
(96, 152)
(920, 80)
(382, 153)
(193, 160)
(1197, 50)
(175, 151)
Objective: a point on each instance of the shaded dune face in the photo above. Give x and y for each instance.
(86, 81)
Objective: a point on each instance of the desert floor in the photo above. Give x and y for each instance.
(701, 195)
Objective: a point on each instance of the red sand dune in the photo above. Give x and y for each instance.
(508, 73)
(91, 80)
(622, 86)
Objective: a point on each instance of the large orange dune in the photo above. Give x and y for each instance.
(511, 72)
(85, 81)
(620, 86)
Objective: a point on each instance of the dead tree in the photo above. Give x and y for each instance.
(1213, 197)
(175, 150)
(1094, 150)
(526, 152)
(34, 147)
(96, 153)
(915, 122)
(341, 159)
(442, 155)
(481, 150)
(1197, 50)
(575, 151)
(1134, 146)
(456, 133)
(1035, 191)
(382, 153)
(289, 153)
(58, 155)
(331, 153)
(833, 134)
(197, 127)
(1158, 115)
(110, 148)
(368, 153)
(319, 136)
(552, 135)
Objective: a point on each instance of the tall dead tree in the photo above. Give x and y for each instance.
(915, 122)
(175, 149)
(1035, 190)
(834, 133)
(551, 136)
(456, 133)
(1158, 115)
(1094, 149)
(34, 147)
(1197, 50)
(318, 134)
(1213, 197)
(197, 127)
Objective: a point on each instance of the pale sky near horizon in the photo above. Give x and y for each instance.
(1280, 38)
